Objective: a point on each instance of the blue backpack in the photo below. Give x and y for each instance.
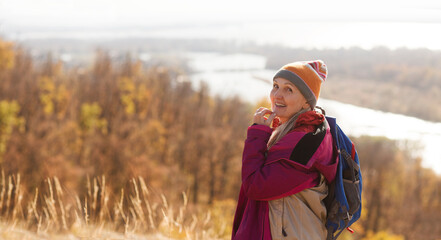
(343, 202)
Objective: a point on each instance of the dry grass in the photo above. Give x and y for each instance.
(135, 213)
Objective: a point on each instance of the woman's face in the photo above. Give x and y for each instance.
(286, 99)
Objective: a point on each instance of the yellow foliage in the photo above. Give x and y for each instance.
(156, 131)
(128, 88)
(6, 55)
(53, 96)
(126, 84)
(133, 95)
(46, 84)
(129, 105)
(8, 116)
(61, 98)
(47, 87)
(90, 118)
(143, 98)
(8, 120)
(382, 235)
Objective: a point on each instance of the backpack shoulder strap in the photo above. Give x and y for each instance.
(332, 125)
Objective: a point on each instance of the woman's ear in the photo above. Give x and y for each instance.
(306, 106)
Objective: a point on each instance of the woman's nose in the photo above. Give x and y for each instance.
(277, 94)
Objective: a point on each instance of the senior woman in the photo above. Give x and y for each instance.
(288, 159)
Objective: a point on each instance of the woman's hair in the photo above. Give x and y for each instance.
(283, 129)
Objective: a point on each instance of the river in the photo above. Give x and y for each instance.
(245, 75)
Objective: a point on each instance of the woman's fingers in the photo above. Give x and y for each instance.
(263, 111)
(271, 118)
(259, 116)
(259, 109)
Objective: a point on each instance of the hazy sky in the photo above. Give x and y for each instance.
(416, 22)
(146, 12)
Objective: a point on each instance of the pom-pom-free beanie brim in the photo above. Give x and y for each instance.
(306, 76)
(299, 83)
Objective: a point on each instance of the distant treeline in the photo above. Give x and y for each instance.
(126, 120)
(400, 81)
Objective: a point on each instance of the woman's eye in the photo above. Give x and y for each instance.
(275, 86)
(289, 90)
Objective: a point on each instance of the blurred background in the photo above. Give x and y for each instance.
(126, 119)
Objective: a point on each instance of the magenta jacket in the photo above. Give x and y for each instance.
(290, 166)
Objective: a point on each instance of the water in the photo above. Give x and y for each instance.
(232, 74)
(245, 75)
(359, 121)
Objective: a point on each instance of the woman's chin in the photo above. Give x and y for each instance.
(281, 118)
(279, 114)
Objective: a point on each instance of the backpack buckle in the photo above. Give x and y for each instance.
(348, 216)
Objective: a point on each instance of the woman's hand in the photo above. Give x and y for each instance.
(259, 116)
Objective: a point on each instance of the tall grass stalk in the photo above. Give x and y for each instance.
(137, 211)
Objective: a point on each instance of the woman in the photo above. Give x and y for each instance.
(285, 169)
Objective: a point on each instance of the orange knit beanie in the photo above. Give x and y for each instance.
(307, 76)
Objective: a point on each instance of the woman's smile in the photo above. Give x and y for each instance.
(280, 105)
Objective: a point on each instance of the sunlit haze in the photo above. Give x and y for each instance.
(312, 24)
